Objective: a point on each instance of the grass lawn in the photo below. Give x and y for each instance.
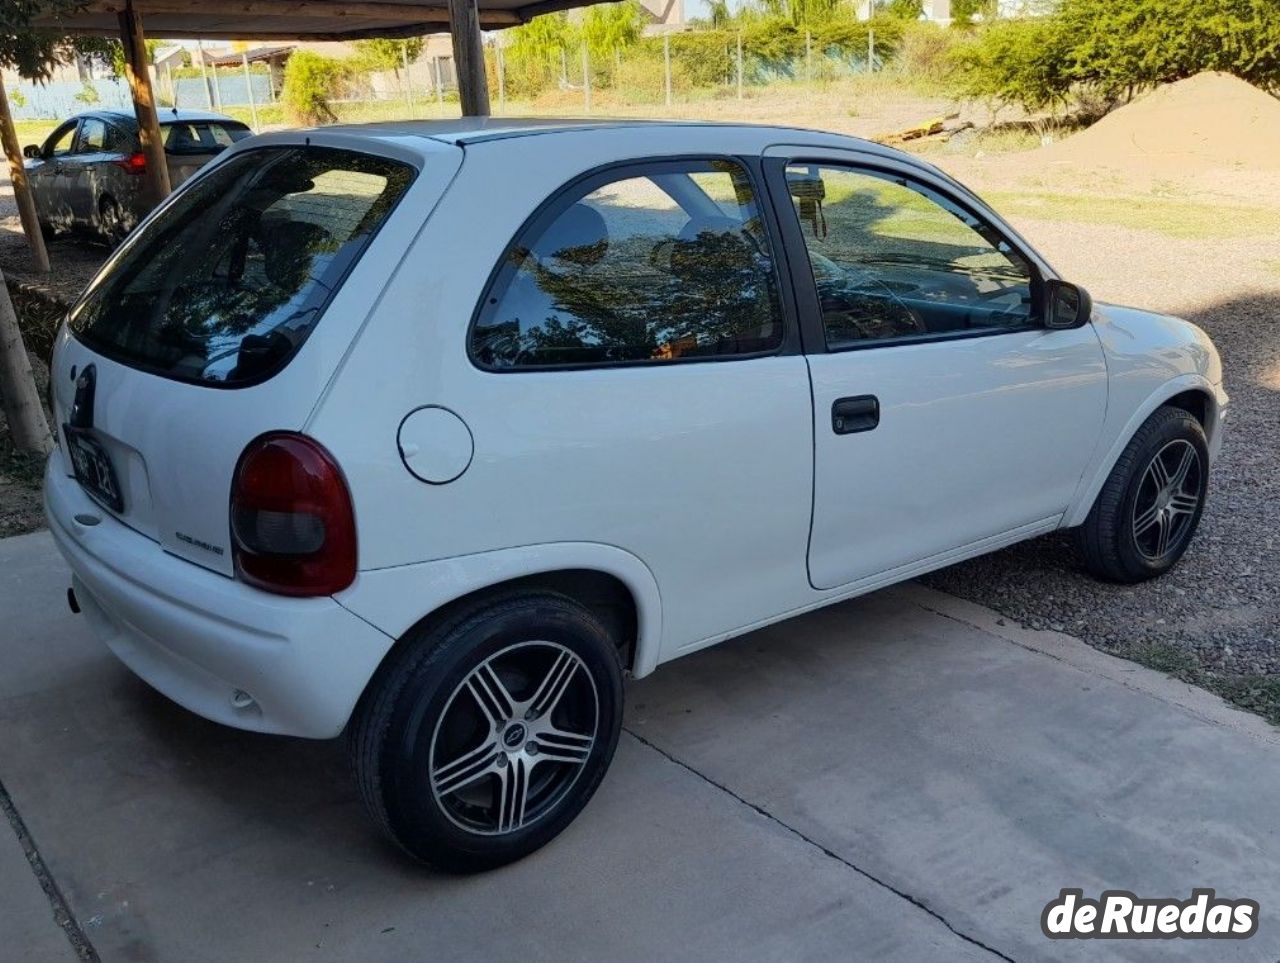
(1174, 217)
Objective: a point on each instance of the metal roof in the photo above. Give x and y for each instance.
(292, 19)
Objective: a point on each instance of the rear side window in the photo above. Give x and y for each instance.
(665, 263)
(225, 286)
(201, 137)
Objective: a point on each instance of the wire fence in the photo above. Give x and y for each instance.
(661, 70)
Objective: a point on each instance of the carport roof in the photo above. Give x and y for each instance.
(293, 19)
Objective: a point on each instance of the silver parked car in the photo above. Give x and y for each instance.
(87, 174)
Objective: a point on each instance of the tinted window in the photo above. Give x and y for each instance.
(93, 136)
(60, 141)
(98, 137)
(201, 137)
(672, 264)
(229, 281)
(892, 259)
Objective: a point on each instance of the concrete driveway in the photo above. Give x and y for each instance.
(901, 777)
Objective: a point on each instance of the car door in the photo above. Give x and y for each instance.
(86, 167)
(48, 177)
(947, 418)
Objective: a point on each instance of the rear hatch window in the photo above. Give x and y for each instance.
(227, 283)
(201, 136)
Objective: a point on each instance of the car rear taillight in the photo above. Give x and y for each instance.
(293, 531)
(134, 163)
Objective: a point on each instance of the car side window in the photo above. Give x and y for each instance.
(664, 263)
(893, 259)
(93, 136)
(61, 141)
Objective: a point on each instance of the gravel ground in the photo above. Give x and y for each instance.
(1221, 605)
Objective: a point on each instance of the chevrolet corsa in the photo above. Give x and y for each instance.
(432, 433)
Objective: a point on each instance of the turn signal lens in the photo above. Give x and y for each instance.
(293, 529)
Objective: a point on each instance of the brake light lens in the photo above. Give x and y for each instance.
(293, 529)
(134, 163)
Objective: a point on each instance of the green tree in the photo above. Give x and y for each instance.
(718, 13)
(607, 27)
(33, 53)
(903, 9)
(542, 38)
(379, 55)
(310, 82)
(1113, 48)
(964, 12)
(1022, 62)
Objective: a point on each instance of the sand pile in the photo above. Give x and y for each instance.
(1207, 122)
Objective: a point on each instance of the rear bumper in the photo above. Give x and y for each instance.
(205, 640)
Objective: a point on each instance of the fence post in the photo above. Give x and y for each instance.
(217, 89)
(248, 86)
(586, 77)
(739, 64)
(502, 74)
(173, 91)
(808, 57)
(564, 68)
(666, 65)
(204, 74)
(408, 93)
(871, 51)
(435, 63)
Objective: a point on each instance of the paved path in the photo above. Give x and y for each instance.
(897, 778)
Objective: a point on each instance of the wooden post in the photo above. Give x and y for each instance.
(468, 58)
(586, 78)
(144, 104)
(21, 187)
(248, 85)
(204, 74)
(666, 64)
(871, 51)
(435, 64)
(808, 57)
(739, 64)
(27, 424)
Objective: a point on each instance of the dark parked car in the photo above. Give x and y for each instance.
(87, 174)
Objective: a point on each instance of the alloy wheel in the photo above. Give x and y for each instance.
(514, 737)
(1167, 500)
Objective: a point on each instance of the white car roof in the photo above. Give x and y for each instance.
(474, 130)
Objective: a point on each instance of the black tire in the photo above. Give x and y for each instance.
(111, 226)
(1109, 539)
(423, 691)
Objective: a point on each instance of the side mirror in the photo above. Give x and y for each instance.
(31, 151)
(1066, 305)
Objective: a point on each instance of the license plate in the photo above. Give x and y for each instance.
(93, 467)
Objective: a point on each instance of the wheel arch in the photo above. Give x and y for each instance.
(1192, 393)
(615, 585)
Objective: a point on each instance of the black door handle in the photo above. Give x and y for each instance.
(850, 415)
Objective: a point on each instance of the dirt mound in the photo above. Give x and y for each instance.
(1207, 122)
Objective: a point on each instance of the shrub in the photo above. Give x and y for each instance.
(927, 53)
(1022, 62)
(310, 82)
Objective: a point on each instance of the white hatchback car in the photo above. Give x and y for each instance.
(431, 432)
